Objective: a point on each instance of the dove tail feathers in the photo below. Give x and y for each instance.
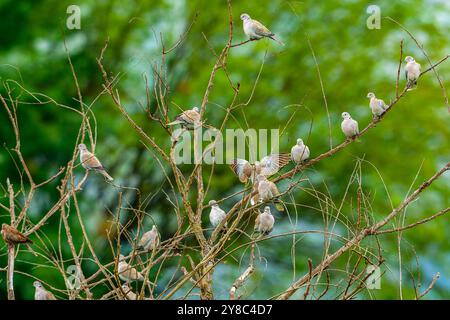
(277, 40)
(106, 175)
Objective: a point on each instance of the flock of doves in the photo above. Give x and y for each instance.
(264, 190)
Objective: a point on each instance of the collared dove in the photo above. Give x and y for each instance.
(349, 126)
(299, 152)
(90, 162)
(268, 191)
(42, 294)
(188, 119)
(412, 71)
(126, 272)
(255, 30)
(12, 236)
(269, 165)
(149, 240)
(377, 106)
(128, 292)
(216, 214)
(264, 222)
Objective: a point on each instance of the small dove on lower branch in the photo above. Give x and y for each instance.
(90, 162)
(349, 126)
(126, 272)
(264, 222)
(42, 294)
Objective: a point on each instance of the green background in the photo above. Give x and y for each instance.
(407, 147)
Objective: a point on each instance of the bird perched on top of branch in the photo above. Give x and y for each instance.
(269, 165)
(216, 214)
(187, 119)
(149, 240)
(12, 236)
(126, 272)
(41, 293)
(299, 152)
(264, 222)
(349, 126)
(412, 71)
(377, 106)
(255, 30)
(90, 162)
(267, 191)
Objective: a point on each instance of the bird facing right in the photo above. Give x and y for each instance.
(377, 106)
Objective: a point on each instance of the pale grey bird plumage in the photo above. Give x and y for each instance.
(412, 71)
(149, 240)
(255, 30)
(349, 126)
(128, 273)
(264, 222)
(216, 215)
(377, 106)
(41, 293)
(299, 152)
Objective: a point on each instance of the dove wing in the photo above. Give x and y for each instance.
(273, 163)
(261, 30)
(91, 161)
(242, 168)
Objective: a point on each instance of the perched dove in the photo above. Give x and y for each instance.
(127, 273)
(412, 71)
(128, 292)
(377, 106)
(268, 191)
(12, 236)
(349, 126)
(269, 165)
(217, 214)
(255, 30)
(264, 222)
(299, 152)
(41, 293)
(149, 240)
(188, 119)
(90, 162)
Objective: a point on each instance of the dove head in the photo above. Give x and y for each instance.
(370, 95)
(125, 287)
(82, 147)
(245, 17)
(121, 258)
(154, 228)
(299, 142)
(195, 109)
(37, 284)
(267, 210)
(409, 59)
(346, 115)
(212, 203)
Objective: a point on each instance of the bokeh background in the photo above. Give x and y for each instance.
(408, 146)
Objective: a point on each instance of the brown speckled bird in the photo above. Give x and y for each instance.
(12, 236)
(187, 119)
